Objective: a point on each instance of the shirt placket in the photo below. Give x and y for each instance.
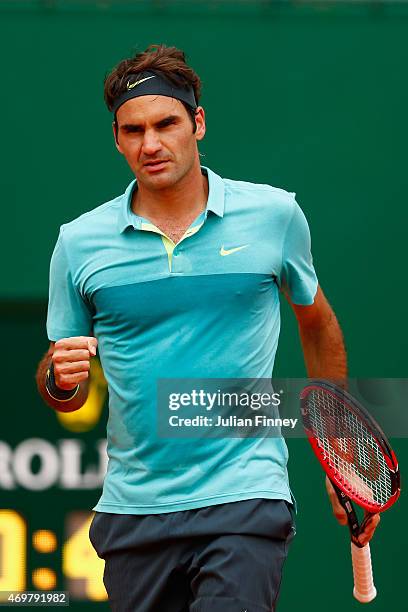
(175, 251)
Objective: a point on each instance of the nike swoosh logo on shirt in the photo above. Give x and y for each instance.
(230, 251)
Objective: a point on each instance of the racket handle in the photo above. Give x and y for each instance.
(364, 589)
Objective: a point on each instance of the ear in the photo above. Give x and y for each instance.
(200, 123)
(115, 136)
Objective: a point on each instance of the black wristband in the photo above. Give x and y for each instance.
(61, 395)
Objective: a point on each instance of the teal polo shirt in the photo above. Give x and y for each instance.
(207, 307)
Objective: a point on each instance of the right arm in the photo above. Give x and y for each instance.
(71, 362)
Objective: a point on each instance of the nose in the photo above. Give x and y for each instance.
(151, 143)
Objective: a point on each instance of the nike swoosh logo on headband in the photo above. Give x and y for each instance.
(132, 85)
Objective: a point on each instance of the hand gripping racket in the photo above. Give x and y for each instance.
(359, 461)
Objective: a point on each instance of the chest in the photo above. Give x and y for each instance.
(173, 228)
(216, 248)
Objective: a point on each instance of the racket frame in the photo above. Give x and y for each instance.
(361, 413)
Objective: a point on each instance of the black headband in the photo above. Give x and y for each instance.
(149, 83)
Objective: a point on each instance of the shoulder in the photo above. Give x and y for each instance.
(95, 222)
(263, 198)
(236, 185)
(86, 236)
(97, 215)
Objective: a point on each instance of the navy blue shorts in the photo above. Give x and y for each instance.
(225, 558)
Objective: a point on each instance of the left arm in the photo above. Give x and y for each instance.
(325, 357)
(322, 340)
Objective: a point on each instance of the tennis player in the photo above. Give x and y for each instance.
(179, 277)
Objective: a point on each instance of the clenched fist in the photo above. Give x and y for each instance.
(71, 360)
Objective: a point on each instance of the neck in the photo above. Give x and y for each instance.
(187, 197)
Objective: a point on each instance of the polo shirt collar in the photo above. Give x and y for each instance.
(126, 217)
(215, 202)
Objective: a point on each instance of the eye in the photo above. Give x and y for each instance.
(166, 122)
(133, 129)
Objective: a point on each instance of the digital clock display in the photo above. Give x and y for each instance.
(81, 567)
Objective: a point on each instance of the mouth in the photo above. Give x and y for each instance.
(156, 165)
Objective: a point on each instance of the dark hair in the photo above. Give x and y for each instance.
(169, 61)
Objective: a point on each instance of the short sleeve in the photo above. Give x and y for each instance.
(68, 314)
(298, 276)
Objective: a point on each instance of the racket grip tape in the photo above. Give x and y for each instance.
(364, 589)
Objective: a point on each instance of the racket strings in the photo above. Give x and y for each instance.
(349, 448)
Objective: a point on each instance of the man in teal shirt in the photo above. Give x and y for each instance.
(179, 277)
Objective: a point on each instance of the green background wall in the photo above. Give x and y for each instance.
(311, 98)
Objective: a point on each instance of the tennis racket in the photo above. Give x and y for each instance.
(359, 462)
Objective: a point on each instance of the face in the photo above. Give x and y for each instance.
(155, 134)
